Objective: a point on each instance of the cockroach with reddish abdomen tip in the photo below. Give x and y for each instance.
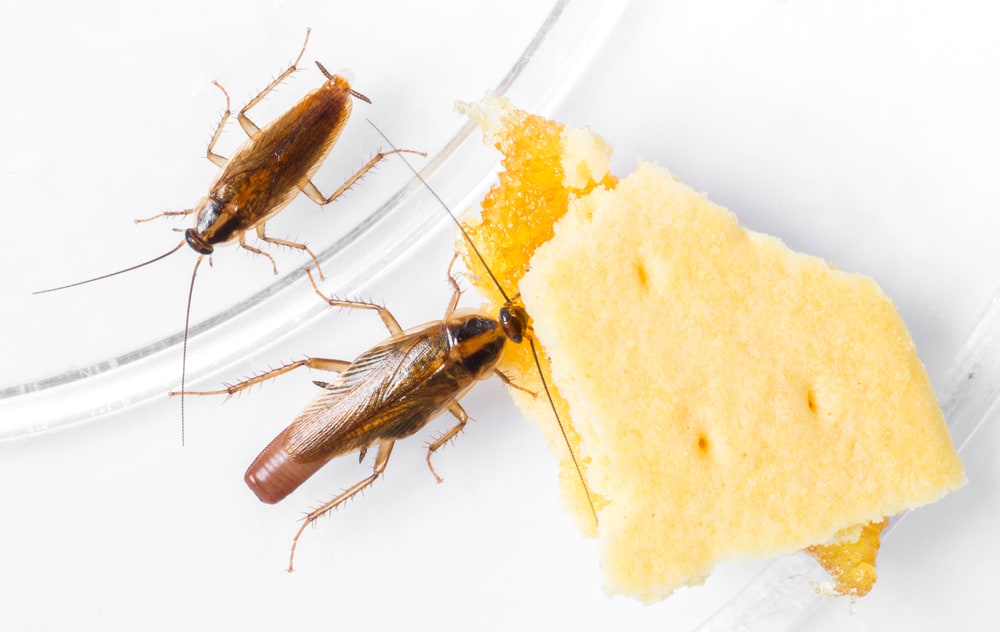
(263, 176)
(388, 393)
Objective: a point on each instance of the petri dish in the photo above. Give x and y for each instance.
(68, 364)
(60, 371)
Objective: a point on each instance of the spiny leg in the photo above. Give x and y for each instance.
(317, 196)
(165, 214)
(262, 235)
(463, 418)
(248, 126)
(323, 364)
(390, 321)
(258, 251)
(456, 290)
(455, 408)
(509, 382)
(381, 458)
(214, 158)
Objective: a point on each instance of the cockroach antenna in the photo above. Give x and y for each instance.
(508, 303)
(116, 273)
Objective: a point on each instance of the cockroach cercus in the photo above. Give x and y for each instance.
(274, 165)
(389, 392)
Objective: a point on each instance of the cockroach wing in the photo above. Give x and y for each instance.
(267, 172)
(389, 392)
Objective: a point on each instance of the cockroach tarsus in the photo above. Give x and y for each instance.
(268, 171)
(388, 393)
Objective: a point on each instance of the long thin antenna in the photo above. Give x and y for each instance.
(184, 346)
(447, 209)
(562, 429)
(111, 274)
(531, 342)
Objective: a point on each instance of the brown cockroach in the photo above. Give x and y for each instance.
(389, 392)
(263, 176)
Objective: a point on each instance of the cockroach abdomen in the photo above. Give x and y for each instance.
(274, 474)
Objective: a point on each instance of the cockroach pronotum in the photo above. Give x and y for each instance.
(263, 176)
(389, 392)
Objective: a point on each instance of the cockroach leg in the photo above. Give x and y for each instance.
(463, 418)
(323, 364)
(291, 244)
(165, 214)
(249, 126)
(314, 194)
(244, 245)
(456, 293)
(511, 383)
(214, 158)
(390, 321)
(381, 458)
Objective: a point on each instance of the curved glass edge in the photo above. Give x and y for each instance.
(571, 34)
(778, 598)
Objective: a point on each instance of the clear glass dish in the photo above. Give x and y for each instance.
(116, 522)
(234, 313)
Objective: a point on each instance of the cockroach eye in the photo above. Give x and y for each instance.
(513, 320)
(197, 243)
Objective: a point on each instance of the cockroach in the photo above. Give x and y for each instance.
(263, 176)
(389, 392)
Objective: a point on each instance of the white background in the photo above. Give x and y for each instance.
(866, 133)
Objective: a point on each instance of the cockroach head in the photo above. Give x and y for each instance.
(514, 321)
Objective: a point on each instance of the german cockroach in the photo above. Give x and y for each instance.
(263, 176)
(388, 393)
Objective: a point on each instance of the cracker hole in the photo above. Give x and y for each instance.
(642, 275)
(811, 400)
(703, 443)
